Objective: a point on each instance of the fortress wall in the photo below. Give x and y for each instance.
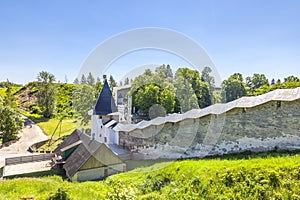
(267, 125)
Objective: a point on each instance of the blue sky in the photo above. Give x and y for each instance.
(246, 36)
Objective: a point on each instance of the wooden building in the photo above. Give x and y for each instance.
(85, 159)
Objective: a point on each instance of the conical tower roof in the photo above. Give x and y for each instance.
(105, 103)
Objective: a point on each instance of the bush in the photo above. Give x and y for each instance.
(60, 195)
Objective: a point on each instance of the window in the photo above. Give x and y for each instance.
(105, 139)
(105, 172)
(278, 104)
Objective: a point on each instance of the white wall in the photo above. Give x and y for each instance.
(101, 132)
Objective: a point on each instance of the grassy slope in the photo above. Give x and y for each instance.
(49, 126)
(259, 178)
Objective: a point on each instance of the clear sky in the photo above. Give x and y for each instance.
(246, 36)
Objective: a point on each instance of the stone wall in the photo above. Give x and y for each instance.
(260, 128)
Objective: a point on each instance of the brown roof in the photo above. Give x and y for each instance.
(81, 155)
(74, 137)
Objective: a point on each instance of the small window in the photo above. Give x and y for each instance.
(100, 117)
(105, 139)
(278, 104)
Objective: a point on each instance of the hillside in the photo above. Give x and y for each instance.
(256, 178)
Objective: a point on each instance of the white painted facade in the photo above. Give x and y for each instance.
(101, 133)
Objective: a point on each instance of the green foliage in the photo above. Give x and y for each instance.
(90, 80)
(259, 178)
(149, 95)
(60, 195)
(46, 93)
(10, 123)
(83, 101)
(64, 100)
(10, 99)
(112, 83)
(49, 125)
(201, 89)
(233, 88)
(256, 81)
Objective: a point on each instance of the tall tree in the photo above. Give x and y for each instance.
(90, 80)
(112, 83)
(10, 123)
(233, 88)
(206, 77)
(76, 81)
(46, 93)
(200, 88)
(84, 99)
(273, 81)
(169, 73)
(126, 81)
(210, 80)
(185, 95)
(83, 79)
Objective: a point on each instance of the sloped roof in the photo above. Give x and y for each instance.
(217, 109)
(105, 103)
(82, 154)
(71, 139)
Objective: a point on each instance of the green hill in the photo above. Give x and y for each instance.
(256, 178)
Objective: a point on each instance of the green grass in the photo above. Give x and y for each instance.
(255, 178)
(49, 126)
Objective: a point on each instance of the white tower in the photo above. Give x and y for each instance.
(105, 117)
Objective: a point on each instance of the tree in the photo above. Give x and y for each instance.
(10, 123)
(185, 94)
(210, 80)
(98, 87)
(200, 89)
(278, 81)
(112, 83)
(256, 81)
(149, 95)
(206, 77)
(46, 93)
(76, 81)
(291, 79)
(126, 81)
(10, 99)
(83, 80)
(273, 82)
(169, 73)
(90, 80)
(233, 88)
(84, 99)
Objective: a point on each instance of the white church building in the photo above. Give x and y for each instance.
(105, 117)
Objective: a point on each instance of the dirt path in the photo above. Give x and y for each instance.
(29, 135)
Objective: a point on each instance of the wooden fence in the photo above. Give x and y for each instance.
(28, 159)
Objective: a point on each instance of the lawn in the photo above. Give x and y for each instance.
(58, 131)
(255, 178)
